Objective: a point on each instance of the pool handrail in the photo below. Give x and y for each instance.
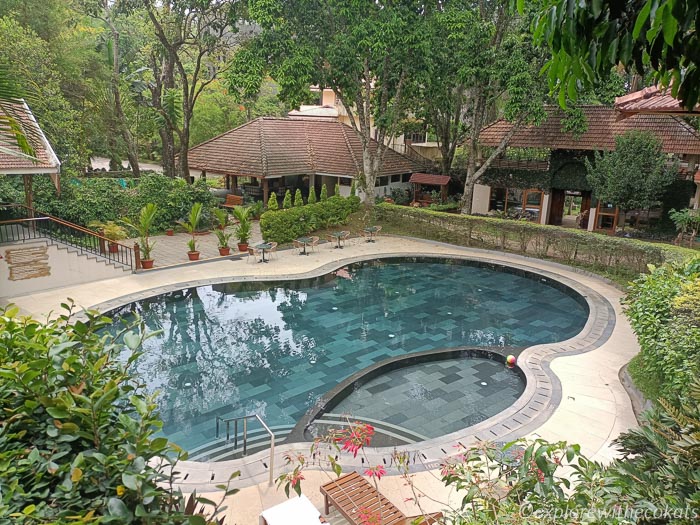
(245, 419)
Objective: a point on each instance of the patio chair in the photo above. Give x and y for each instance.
(273, 249)
(314, 242)
(345, 238)
(350, 492)
(253, 253)
(297, 245)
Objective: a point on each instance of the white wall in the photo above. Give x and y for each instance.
(65, 268)
(696, 204)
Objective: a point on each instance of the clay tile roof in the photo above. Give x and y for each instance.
(603, 126)
(12, 160)
(428, 178)
(651, 100)
(274, 147)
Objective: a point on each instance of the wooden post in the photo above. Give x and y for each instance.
(29, 195)
(102, 242)
(227, 180)
(203, 175)
(234, 186)
(443, 193)
(266, 190)
(137, 256)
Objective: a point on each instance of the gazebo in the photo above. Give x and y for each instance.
(13, 161)
(272, 152)
(428, 179)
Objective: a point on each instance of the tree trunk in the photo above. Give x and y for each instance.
(167, 133)
(131, 150)
(473, 175)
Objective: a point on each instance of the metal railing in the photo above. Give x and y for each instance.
(36, 225)
(245, 419)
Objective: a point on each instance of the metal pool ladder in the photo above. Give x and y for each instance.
(245, 419)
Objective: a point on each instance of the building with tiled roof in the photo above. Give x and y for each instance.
(603, 126)
(13, 161)
(652, 101)
(539, 187)
(271, 151)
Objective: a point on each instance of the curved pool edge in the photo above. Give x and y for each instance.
(537, 403)
(335, 395)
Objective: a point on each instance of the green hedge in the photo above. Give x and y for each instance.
(84, 200)
(664, 311)
(289, 224)
(620, 257)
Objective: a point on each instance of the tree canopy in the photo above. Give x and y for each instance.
(633, 176)
(588, 38)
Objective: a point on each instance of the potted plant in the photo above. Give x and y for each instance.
(112, 231)
(191, 225)
(147, 216)
(221, 218)
(169, 232)
(244, 227)
(223, 238)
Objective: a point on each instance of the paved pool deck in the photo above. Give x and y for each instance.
(587, 403)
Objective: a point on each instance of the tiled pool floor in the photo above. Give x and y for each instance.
(436, 398)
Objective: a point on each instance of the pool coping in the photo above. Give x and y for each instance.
(541, 397)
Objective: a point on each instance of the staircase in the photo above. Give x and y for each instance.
(24, 224)
(223, 449)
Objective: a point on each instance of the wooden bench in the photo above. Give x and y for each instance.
(352, 492)
(232, 201)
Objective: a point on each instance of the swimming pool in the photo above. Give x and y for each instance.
(274, 348)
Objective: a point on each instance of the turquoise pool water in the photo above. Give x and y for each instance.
(274, 348)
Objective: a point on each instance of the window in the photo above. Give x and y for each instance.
(381, 181)
(517, 203)
(344, 181)
(413, 138)
(406, 177)
(396, 178)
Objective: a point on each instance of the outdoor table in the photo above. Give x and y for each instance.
(337, 236)
(304, 241)
(371, 230)
(262, 247)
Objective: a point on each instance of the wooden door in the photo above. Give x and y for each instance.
(556, 207)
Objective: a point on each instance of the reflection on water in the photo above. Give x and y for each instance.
(274, 348)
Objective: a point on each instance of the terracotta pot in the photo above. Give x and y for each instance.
(242, 247)
(169, 232)
(146, 264)
(113, 247)
(194, 256)
(225, 251)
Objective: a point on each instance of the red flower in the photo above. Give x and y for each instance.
(376, 472)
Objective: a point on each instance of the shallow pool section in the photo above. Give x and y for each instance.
(428, 400)
(273, 348)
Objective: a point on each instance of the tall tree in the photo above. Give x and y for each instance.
(196, 39)
(366, 51)
(635, 175)
(502, 70)
(107, 11)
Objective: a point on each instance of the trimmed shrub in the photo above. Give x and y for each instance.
(287, 202)
(298, 199)
(353, 188)
(324, 193)
(664, 311)
(312, 195)
(619, 257)
(272, 203)
(289, 224)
